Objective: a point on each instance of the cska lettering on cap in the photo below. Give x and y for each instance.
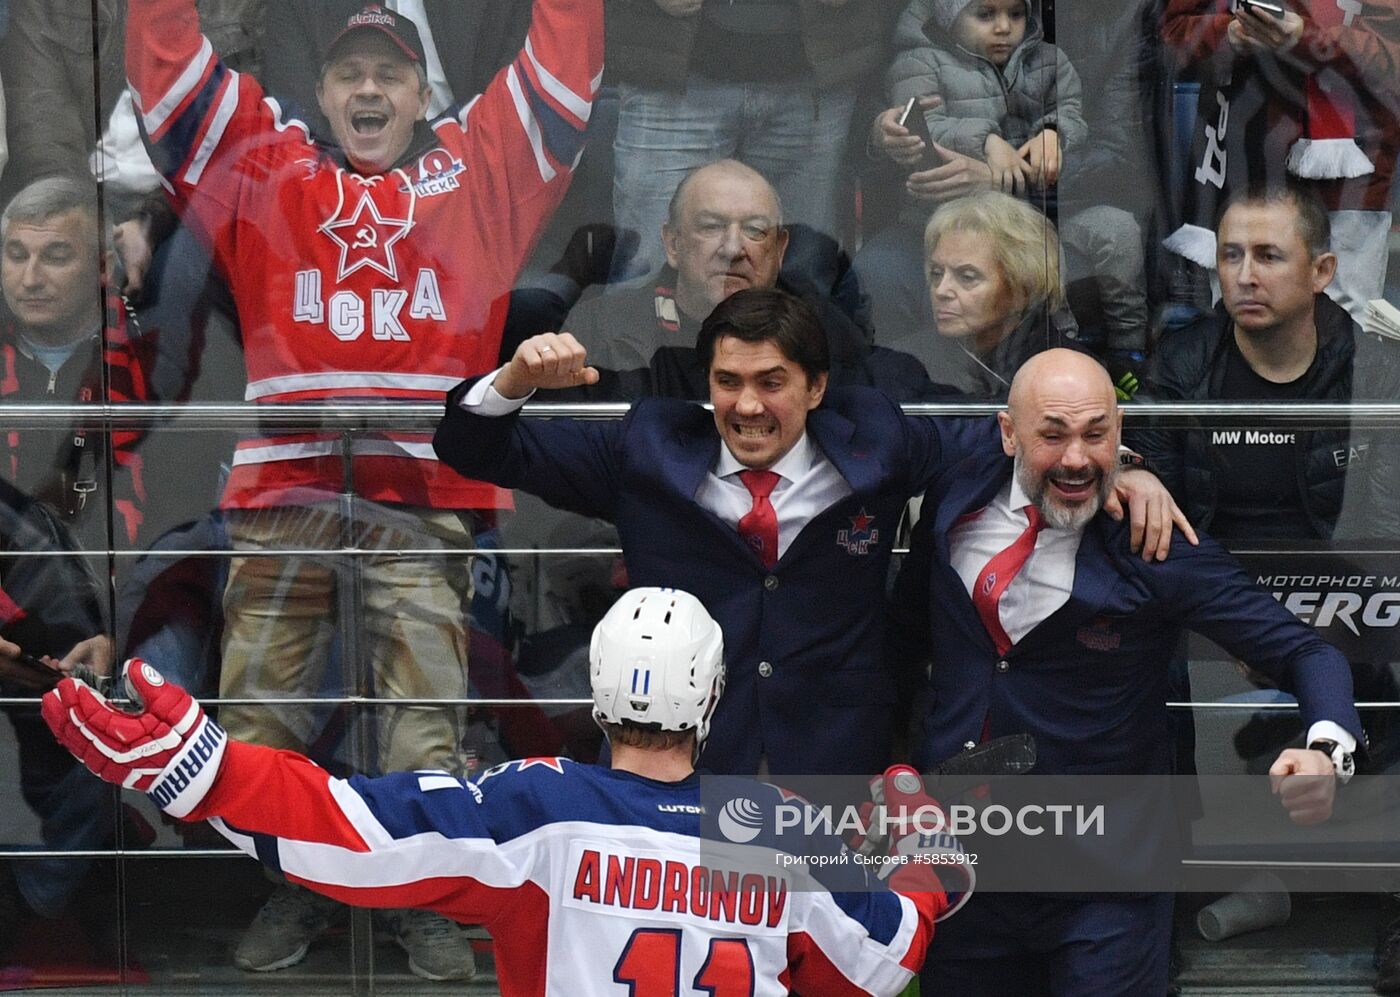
(371, 18)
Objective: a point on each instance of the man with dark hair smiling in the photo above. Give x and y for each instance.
(777, 511)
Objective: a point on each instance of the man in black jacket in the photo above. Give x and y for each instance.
(65, 338)
(1276, 337)
(49, 606)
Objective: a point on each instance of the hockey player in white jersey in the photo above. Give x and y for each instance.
(591, 880)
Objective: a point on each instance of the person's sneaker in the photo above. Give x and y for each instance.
(437, 948)
(284, 929)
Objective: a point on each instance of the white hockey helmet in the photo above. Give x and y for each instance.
(657, 659)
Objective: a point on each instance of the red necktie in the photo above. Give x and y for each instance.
(759, 527)
(997, 575)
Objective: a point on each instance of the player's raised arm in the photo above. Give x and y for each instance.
(332, 835)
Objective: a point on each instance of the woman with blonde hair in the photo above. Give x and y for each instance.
(992, 263)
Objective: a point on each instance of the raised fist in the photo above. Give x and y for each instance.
(167, 748)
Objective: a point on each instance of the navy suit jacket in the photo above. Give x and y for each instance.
(1090, 682)
(807, 682)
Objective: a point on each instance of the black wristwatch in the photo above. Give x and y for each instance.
(1342, 762)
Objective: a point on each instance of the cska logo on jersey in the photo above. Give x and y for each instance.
(365, 236)
(437, 174)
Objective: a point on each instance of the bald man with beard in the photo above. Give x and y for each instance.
(1067, 638)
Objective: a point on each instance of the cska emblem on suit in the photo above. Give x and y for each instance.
(1100, 635)
(861, 536)
(366, 238)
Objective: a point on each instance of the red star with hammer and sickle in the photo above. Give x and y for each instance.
(557, 764)
(861, 523)
(369, 236)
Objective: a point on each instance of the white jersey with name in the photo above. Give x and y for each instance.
(591, 881)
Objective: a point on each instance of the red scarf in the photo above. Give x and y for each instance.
(1328, 148)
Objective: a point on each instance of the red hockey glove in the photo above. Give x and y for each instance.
(168, 749)
(925, 856)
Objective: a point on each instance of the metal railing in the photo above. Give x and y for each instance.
(420, 417)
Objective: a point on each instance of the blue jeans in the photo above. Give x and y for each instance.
(791, 132)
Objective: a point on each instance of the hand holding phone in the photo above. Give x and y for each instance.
(1274, 10)
(28, 672)
(912, 119)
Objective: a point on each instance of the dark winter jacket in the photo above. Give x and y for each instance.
(68, 467)
(645, 347)
(932, 368)
(1189, 365)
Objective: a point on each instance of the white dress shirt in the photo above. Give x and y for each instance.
(808, 484)
(1046, 580)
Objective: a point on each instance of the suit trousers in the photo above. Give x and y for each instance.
(406, 596)
(1035, 945)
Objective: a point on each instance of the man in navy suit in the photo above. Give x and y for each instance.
(1040, 620)
(802, 602)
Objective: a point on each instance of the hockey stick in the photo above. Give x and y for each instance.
(1013, 754)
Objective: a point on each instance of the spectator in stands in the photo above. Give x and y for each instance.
(49, 605)
(59, 88)
(771, 82)
(1008, 112)
(64, 339)
(724, 232)
(464, 46)
(1276, 336)
(64, 63)
(1308, 95)
(993, 268)
(352, 288)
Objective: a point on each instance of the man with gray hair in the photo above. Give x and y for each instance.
(724, 232)
(65, 336)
